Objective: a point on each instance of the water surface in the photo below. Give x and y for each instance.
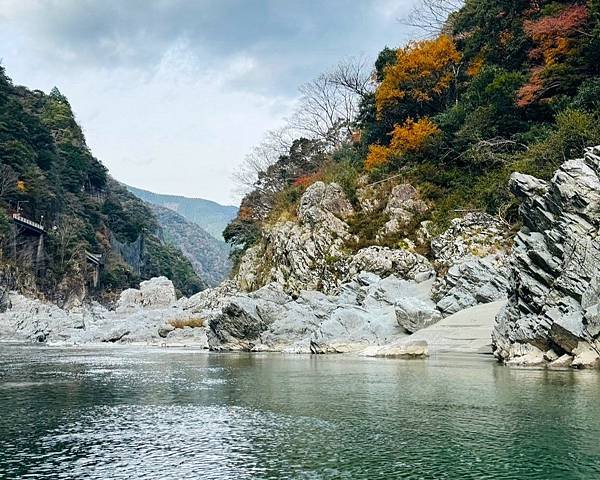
(129, 413)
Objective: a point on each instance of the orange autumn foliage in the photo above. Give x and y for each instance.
(412, 136)
(409, 137)
(378, 156)
(423, 70)
(475, 66)
(245, 213)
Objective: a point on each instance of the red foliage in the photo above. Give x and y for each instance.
(529, 92)
(551, 27)
(555, 38)
(307, 180)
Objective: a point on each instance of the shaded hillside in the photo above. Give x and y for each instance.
(49, 176)
(208, 256)
(210, 215)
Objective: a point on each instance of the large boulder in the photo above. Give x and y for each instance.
(553, 302)
(414, 314)
(158, 292)
(406, 349)
(30, 319)
(468, 331)
(385, 261)
(470, 282)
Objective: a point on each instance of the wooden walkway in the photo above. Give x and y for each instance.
(18, 219)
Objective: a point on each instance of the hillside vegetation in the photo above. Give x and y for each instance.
(502, 86)
(49, 176)
(208, 256)
(210, 215)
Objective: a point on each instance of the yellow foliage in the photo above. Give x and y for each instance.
(412, 136)
(408, 137)
(21, 187)
(423, 70)
(378, 156)
(475, 66)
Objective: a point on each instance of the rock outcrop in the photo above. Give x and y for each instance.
(554, 289)
(142, 316)
(473, 235)
(403, 206)
(385, 261)
(468, 331)
(311, 253)
(470, 282)
(471, 260)
(365, 312)
(303, 255)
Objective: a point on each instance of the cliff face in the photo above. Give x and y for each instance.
(313, 252)
(553, 314)
(90, 237)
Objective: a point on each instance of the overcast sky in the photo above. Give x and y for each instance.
(172, 94)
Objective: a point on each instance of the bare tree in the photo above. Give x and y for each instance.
(70, 248)
(275, 144)
(326, 110)
(8, 181)
(430, 16)
(329, 104)
(355, 74)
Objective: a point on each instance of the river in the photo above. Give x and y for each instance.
(129, 413)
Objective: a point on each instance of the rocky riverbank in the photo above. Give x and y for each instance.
(370, 315)
(301, 291)
(553, 315)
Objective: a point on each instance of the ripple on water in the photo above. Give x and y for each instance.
(139, 413)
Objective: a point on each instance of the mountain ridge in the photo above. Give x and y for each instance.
(209, 256)
(208, 214)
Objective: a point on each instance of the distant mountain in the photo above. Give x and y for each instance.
(209, 257)
(211, 216)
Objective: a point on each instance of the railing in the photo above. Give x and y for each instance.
(94, 258)
(18, 218)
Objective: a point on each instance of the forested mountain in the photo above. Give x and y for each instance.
(48, 176)
(208, 256)
(501, 86)
(210, 215)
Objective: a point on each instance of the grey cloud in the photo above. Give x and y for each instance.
(173, 93)
(287, 37)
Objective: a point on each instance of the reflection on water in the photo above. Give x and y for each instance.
(156, 413)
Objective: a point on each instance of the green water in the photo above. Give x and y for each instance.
(155, 413)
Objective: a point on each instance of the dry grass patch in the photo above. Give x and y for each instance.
(187, 322)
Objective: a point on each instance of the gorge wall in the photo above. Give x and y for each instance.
(553, 314)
